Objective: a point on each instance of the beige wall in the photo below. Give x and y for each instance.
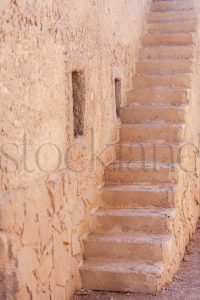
(45, 214)
(187, 200)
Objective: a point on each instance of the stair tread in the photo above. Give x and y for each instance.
(129, 238)
(169, 1)
(169, 33)
(190, 21)
(163, 67)
(139, 75)
(173, 9)
(124, 267)
(165, 60)
(170, 47)
(156, 106)
(150, 93)
(158, 89)
(170, 21)
(187, 9)
(139, 164)
(161, 73)
(141, 212)
(156, 124)
(173, 16)
(150, 144)
(140, 187)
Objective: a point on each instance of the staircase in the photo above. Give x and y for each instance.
(131, 246)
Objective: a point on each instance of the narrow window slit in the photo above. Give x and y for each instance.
(78, 94)
(117, 96)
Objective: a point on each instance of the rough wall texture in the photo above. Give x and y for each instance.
(188, 193)
(188, 189)
(49, 179)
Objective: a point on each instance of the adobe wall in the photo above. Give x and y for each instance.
(49, 179)
(187, 197)
(188, 205)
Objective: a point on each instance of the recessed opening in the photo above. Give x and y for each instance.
(117, 95)
(78, 93)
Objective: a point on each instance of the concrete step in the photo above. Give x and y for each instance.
(165, 80)
(138, 196)
(134, 221)
(173, 27)
(123, 247)
(159, 132)
(171, 52)
(172, 5)
(172, 16)
(164, 66)
(141, 172)
(122, 276)
(160, 39)
(137, 113)
(165, 153)
(159, 96)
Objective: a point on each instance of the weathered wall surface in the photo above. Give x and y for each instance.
(189, 186)
(49, 179)
(188, 189)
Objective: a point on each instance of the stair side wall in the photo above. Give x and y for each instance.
(188, 193)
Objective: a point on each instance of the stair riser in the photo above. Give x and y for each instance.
(140, 134)
(168, 39)
(143, 175)
(167, 52)
(164, 154)
(137, 199)
(140, 115)
(164, 67)
(171, 5)
(173, 27)
(123, 281)
(138, 252)
(156, 17)
(163, 81)
(132, 225)
(160, 96)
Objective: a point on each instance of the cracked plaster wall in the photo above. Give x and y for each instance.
(49, 180)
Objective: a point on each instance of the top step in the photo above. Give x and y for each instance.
(172, 16)
(172, 5)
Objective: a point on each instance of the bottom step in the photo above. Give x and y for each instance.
(122, 276)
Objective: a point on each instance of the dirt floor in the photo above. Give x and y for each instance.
(186, 284)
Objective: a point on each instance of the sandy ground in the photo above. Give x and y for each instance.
(186, 284)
